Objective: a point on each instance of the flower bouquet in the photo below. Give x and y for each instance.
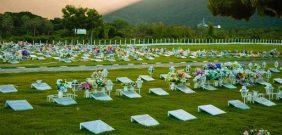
(179, 77)
(62, 87)
(98, 80)
(199, 72)
(87, 87)
(25, 53)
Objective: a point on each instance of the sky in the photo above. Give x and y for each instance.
(52, 8)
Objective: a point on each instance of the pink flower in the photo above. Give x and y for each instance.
(85, 86)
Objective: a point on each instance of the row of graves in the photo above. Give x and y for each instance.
(210, 77)
(16, 53)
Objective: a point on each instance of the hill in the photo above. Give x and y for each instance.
(186, 12)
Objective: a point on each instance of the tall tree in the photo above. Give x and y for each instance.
(34, 25)
(7, 24)
(82, 18)
(25, 23)
(244, 9)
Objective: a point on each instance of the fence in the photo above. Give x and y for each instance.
(151, 42)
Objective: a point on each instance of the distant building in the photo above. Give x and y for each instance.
(204, 25)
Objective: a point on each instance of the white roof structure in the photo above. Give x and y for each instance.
(147, 78)
(163, 76)
(145, 120)
(181, 115)
(210, 109)
(209, 87)
(101, 97)
(158, 91)
(41, 86)
(278, 80)
(264, 101)
(8, 88)
(229, 86)
(65, 101)
(185, 89)
(238, 104)
(18, 105)
(130, 94)
(124, 80)
(96, 127)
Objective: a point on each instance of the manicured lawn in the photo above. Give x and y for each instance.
(49, 118)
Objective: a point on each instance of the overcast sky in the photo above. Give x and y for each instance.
(52, 8)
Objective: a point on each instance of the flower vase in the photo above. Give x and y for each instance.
(103, 90)
(125, 88)
(196, 85)
(172, 86)
(131, 88)
(216, 83)
(87, 94)
(60, 94)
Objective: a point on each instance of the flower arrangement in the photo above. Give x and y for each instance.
(97, 74)
(109, 49)
(61, 86)
(66, 55)
(177, 77)
(85, 86)
(212, 66)
(199, 72)
(213, 75)
(232, 65)
(25, 53)
(98, 80)
(256, 132)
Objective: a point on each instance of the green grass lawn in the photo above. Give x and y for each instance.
(49, 118)
(51, 62)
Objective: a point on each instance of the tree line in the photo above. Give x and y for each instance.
(28, 27)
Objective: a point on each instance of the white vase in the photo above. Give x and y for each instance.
(216, 83)
(87, 94)
(60, 94)
(172, 86)
(103, 89)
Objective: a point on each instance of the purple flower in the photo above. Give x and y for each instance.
(199, 72)
(85, 86)
(211, 66)
(25, 53)
(218, 65)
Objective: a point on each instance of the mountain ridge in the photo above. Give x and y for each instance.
(182, 12)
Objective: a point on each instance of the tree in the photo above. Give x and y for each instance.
(210, 30)
(57, 23)
(122, 28)
(7, 25)
(82, 18)
(46, 27)
(25, 20)
(244, 9)
(34, 25)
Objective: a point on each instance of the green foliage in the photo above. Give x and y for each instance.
(210, 31)
(81, 18)
(244, 9)
(7, 24)
(24, 23)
